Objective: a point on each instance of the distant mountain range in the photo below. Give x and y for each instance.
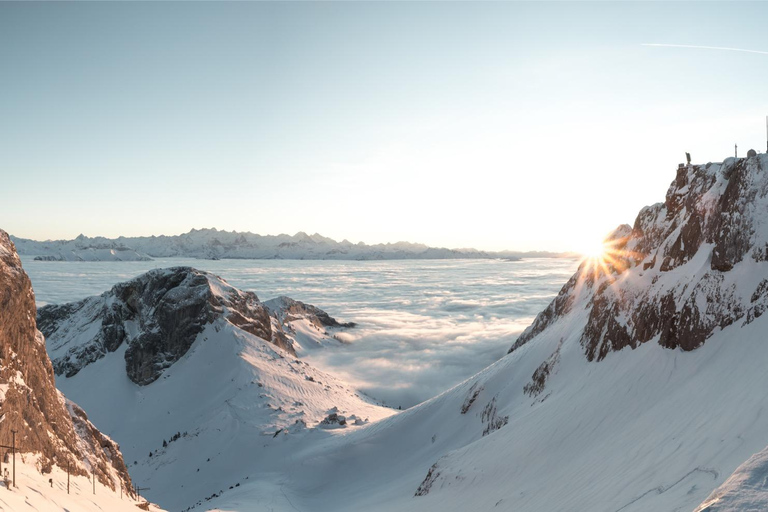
(215, 244)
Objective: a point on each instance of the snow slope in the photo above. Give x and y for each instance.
(216, 244)
(35, 494)
(651, 429)
(746, 490)
(613, 400)
(233, 403)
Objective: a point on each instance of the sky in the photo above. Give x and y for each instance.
(521, 126)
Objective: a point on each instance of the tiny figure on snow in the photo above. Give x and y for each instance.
(688, 157)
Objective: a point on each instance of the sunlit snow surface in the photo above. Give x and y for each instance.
(34, 492)
(423, 326)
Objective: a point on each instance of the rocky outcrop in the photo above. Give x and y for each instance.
(673, 276)
(542, 373)
(491, 419)
(45, 422)
(158, 316)
(287, 310)
(426, 485)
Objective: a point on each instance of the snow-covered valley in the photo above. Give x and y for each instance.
(639, 387)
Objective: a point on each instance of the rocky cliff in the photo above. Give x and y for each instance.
(157, 316)
(47, 425)
(688, 267)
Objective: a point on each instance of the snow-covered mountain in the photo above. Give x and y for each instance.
(199, 381)
(215, 244)
(52, 432)
(81, 248)
(641, 387)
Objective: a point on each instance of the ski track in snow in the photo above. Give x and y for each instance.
(664, 488)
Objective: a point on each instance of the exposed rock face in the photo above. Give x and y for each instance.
(545, 369)
(30, 404)
(426, 485)
(157, 316)
(286, 310)
(672, 277)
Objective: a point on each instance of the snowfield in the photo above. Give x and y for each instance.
(240, 404)
(232, 405)
(35, 494)
(649, 429)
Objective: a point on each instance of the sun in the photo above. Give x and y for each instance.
(594, 251)
(606, 258)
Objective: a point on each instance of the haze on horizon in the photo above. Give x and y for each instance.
(518, 126)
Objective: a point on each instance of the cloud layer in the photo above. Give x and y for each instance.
(423, 326)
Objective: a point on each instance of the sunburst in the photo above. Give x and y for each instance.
(606, 258)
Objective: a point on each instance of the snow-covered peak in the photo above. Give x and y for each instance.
(199, 381)
(688, 267)
(288, 309)
(81, 248)
(158, 315)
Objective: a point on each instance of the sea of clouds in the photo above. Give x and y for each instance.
(423, 326)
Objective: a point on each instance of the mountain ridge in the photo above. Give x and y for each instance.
(220, 388)
(211, 243)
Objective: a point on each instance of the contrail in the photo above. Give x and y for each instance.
(704, 47)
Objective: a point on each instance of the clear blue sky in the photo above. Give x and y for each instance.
(493, 125)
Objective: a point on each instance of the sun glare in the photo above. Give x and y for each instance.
(594, 251)
(606, 258)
